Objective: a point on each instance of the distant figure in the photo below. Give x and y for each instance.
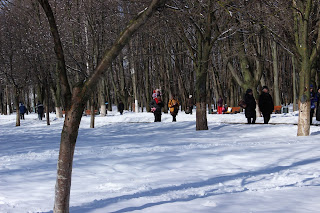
(174, 107)
(22, 110)
(313, 100)
(220, 105)
(250, 110)
(318, 105)
(40, 110)
(190, 104)
(156, 105)
(266, 104)
(120, 107)
(225, 108)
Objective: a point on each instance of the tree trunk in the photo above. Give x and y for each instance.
(304, 99)
(92, 113)
(47, 104)
(201, 116)
(294, 83)
(17, 97)
(102, 96)
(69, 136)
(8, 101)
(276, 92)
(304, 119)
(308, 57)
(148, 93)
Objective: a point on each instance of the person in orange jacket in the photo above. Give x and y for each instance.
(174, 107)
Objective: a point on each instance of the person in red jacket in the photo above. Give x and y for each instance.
(156, 105)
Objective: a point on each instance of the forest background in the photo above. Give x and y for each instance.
(77, 55)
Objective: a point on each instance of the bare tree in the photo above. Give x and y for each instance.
(75, 101)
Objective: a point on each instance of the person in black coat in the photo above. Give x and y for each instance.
(250, 110)
(318, 104)
(156, 105)
(40, 110)
(120, 107)
(313, 104)
(266, 104)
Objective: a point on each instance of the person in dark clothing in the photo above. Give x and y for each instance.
(318, 104)
(120, 107)
(40, 110)
(22, 110)
(266, 104)
(156, 105)
(313, 100)
(250, 110)
(190, 104)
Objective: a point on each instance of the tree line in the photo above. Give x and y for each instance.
(73, 55)
(208, 49)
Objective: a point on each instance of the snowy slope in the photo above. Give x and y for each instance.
(130, 164)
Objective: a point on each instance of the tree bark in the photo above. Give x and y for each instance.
(276, 92)
(92, 114)
(294, 87)
(17, 97)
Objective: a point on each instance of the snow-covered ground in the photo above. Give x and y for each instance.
(130, 164)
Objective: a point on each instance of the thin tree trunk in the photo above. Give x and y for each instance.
(92, 112)
(294, 84)
(102, 96)
(8, 100)
(47, 103)
(17, 97)
(276, 92)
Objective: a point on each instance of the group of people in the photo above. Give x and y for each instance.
(23, 110)
(156, 106)
(265, 104)
(157, 103)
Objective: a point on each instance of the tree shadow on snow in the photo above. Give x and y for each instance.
(212, 181)
(315, 133)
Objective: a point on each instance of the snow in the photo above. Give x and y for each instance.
(128, 163)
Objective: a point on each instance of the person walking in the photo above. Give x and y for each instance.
(156, 105)
(22, 110)
(266, 104)
(121, 107)
(190, 104)
(174, 107)
(313, 100)
(318, 105)
(250, 110)
(40, 110)
(220, 105)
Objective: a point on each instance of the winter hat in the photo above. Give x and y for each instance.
(265, 87)
(311, 86)
(248, 91)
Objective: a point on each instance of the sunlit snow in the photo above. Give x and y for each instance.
(129, 163)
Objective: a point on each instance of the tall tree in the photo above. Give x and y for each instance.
(199, 37)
